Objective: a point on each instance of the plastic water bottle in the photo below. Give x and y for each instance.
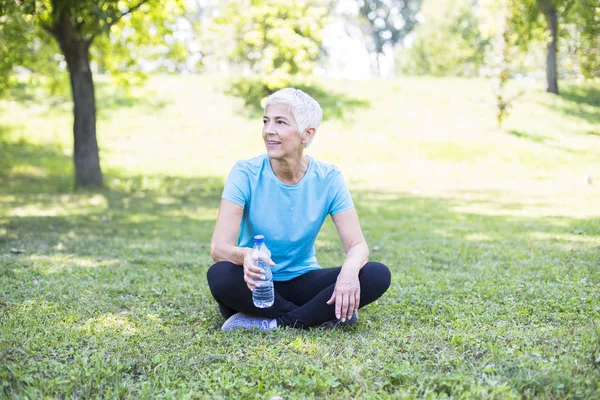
(263, 295)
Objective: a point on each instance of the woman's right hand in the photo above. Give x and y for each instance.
(252, 272)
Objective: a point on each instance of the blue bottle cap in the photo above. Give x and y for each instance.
(259, 239)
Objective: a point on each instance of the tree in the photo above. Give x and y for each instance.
(74, 25)
(531, 16)
(277, 36)
(387, 22)
(448, 42)
(12, 49)
(277, 43)
(586, 19)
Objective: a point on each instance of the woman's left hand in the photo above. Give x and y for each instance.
(346, 295)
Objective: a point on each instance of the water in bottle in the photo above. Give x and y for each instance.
(263, 295)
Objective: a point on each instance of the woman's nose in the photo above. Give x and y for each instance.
(270, 127)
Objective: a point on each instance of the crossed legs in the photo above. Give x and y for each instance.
(300, 302)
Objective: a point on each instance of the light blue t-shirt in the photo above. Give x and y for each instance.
(289, 216)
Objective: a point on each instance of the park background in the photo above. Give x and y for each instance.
(468, 133)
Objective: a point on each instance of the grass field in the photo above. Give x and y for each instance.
(492, 236)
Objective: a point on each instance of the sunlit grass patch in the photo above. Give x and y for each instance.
(59, 205)
(110, 323)
(66, 263)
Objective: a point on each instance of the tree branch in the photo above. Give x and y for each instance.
(116, 19)
(129, 11)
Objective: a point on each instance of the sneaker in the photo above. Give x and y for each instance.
(335, 322)
(352, 320)
(245, 321)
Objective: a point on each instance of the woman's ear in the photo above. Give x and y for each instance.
(309, 133)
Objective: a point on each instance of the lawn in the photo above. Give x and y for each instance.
(492, 236)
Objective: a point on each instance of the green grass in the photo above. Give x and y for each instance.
(492, 236)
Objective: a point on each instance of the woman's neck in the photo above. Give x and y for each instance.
(289, 171)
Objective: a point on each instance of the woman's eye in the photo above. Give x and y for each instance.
(280, 122)
(264, 121)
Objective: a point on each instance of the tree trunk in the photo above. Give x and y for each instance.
(551, 49)
(85, 145)
(378, 52)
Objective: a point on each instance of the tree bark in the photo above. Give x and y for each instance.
(551, 49)
(85, 146)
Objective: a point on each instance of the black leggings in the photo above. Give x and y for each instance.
(300, 302)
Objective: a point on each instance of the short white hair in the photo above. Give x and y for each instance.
(306, 111)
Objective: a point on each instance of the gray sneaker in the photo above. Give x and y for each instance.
(245, 321)
(335, 322)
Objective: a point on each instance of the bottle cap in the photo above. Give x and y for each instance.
(258, 239)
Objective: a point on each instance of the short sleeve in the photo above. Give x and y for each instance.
(237, 186)
(341, 199)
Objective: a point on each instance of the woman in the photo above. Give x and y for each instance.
(286, 196)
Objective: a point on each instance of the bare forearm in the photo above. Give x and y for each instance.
(228, 252)
(356, 258)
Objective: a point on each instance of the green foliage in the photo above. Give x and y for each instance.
(15, 32)
(25, 43)
(586, 18)
(124, 34)
(146, 35)
(278, 40)
(589, 57)
(448, 43)
(279, 37)
(9, 29)
(527, 22)
(529, 25)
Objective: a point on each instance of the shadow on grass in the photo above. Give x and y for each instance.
(542, 140)
(108, 98)
(581, 101)
(580, 94)
(40, 179)
(334, 105)
(527, 136)
(32, 168)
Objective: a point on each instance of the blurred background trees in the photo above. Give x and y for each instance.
(266, 38)
(576, 22)
(387, 23)
(449, 41)
(264, 45)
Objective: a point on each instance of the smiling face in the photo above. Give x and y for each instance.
(280, 133)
